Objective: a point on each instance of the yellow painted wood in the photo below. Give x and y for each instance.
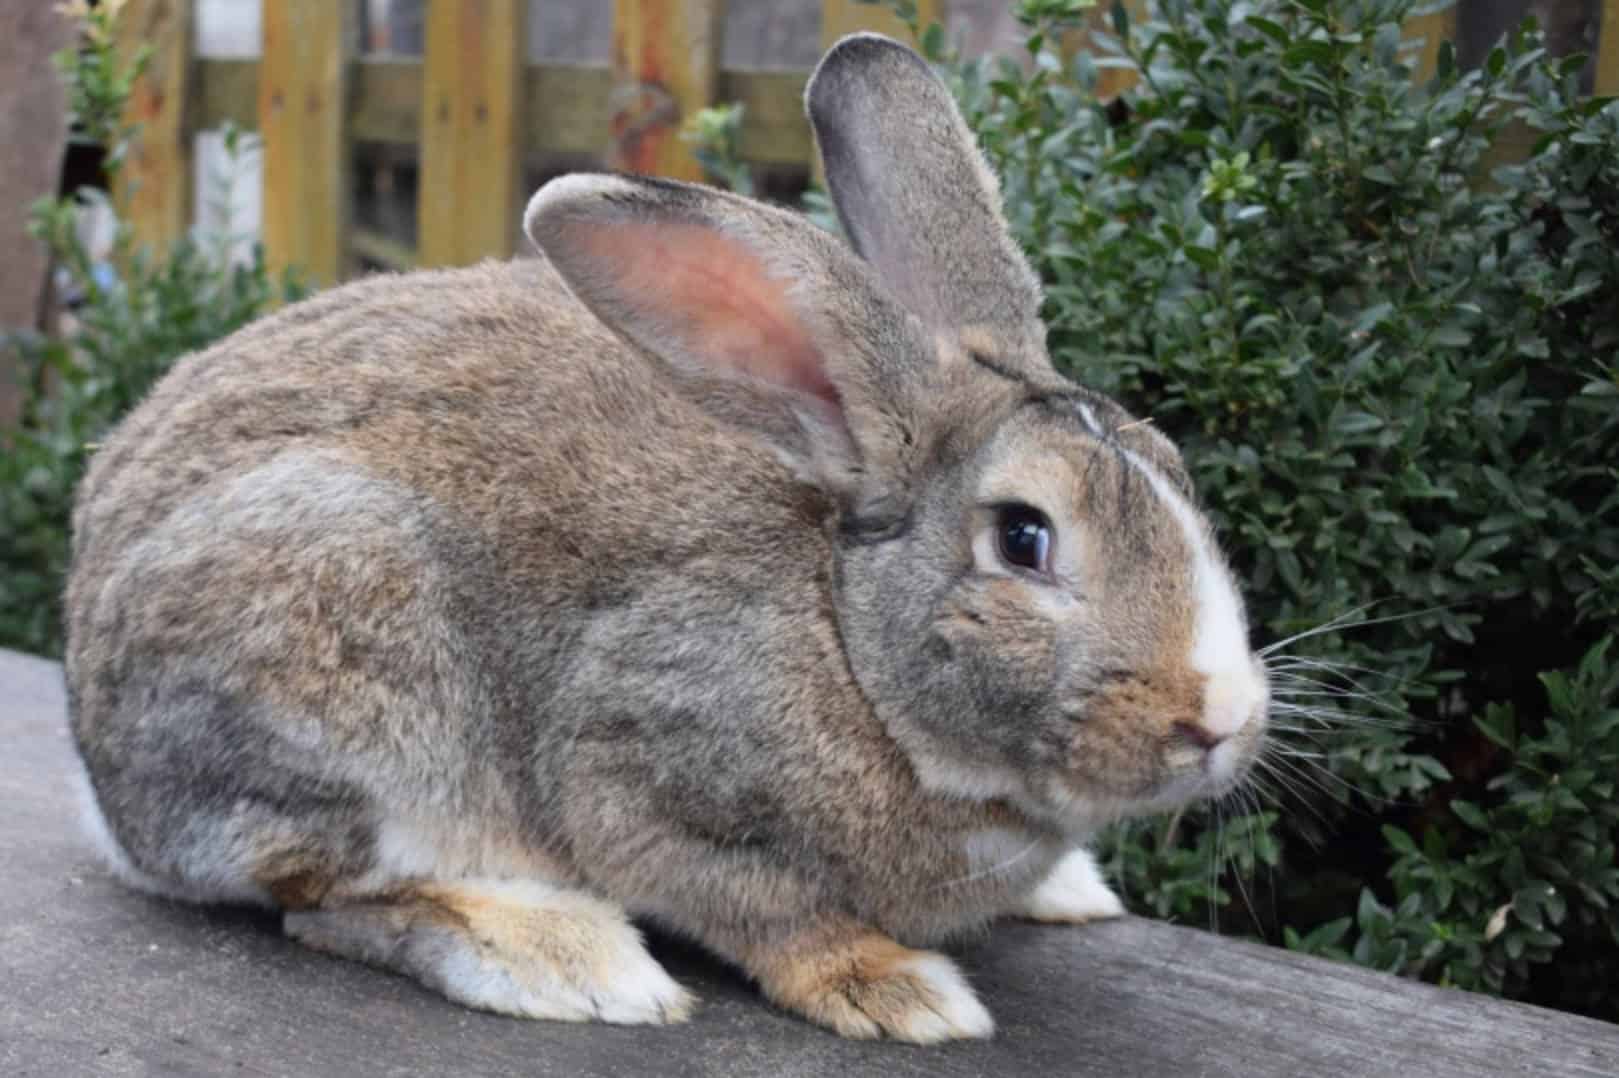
(1429, 26)
(840, 17)
(1110, 81)
(564, 110)
(302, 111)
(384, 250)
(153, 188)
(470, 148)
(1607, 63)
(665, 68)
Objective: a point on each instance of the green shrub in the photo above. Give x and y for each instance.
(1395, 373)
(138, 313)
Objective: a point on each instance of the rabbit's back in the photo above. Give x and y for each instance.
(487, 392)
(328, 369)
(338, 567)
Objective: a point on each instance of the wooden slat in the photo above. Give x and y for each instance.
(840, 17)
(153, 188)
(383, 250)
(1607, 64)
(33, 134)
(1110, 81)
(1429, 26)
(666, 67)
(470, 148)
(564, 110)
(303, 111)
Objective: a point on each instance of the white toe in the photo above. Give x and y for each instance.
(954, 1012)
(1073, 893)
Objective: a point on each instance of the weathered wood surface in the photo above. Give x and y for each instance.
(840, 17)
(303, 114)
(154, 185)
(470, 152)
(666, 62)
(1430, 25)
(1607, 53)
(565, 108)
(99, 981)
(33, 136)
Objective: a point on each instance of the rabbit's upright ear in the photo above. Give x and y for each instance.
(770, 321)
(914, 194)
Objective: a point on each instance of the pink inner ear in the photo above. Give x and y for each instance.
(716, 296)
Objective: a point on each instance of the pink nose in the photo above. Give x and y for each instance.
(1199, 735)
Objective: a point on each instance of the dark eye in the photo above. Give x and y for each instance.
(1024, 536)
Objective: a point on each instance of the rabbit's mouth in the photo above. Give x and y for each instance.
(1200, 767)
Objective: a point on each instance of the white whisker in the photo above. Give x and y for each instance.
(993, 870)
(1343, 624)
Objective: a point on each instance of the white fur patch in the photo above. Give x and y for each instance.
(1234, 692)
(953, 1011)
(1073, 893)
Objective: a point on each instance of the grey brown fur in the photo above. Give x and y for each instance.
(456, 623)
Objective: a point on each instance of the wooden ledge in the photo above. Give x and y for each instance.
(99, 981)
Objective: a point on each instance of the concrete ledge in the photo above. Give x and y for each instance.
(99, 981)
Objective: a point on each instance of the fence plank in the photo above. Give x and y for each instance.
(1428, 27)
(665, 67)
(1111, 81)
(470, 151)
(154, 186)
(302, 111)
(840, 17)
(564, 109)
(1607, 65)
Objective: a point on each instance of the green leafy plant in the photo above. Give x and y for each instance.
(1393, 363)
(713, 134)
(138, 311)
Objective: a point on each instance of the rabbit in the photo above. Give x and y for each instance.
(710, 571)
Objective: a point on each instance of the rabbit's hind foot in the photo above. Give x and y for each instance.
(517, 947)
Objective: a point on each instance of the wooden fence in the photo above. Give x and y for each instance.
(474, 108)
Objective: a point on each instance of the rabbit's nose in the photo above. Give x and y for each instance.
(1233, 698)
(1199, 735)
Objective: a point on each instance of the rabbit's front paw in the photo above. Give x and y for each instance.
(1073, 893)
(873, 987)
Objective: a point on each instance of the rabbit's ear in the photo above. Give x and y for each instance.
(915, 196)
(770, 319)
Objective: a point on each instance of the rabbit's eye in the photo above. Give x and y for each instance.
(1024, 537)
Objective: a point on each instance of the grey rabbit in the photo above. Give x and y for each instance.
(704, 571)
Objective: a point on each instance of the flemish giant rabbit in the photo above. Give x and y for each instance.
(706, 571)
